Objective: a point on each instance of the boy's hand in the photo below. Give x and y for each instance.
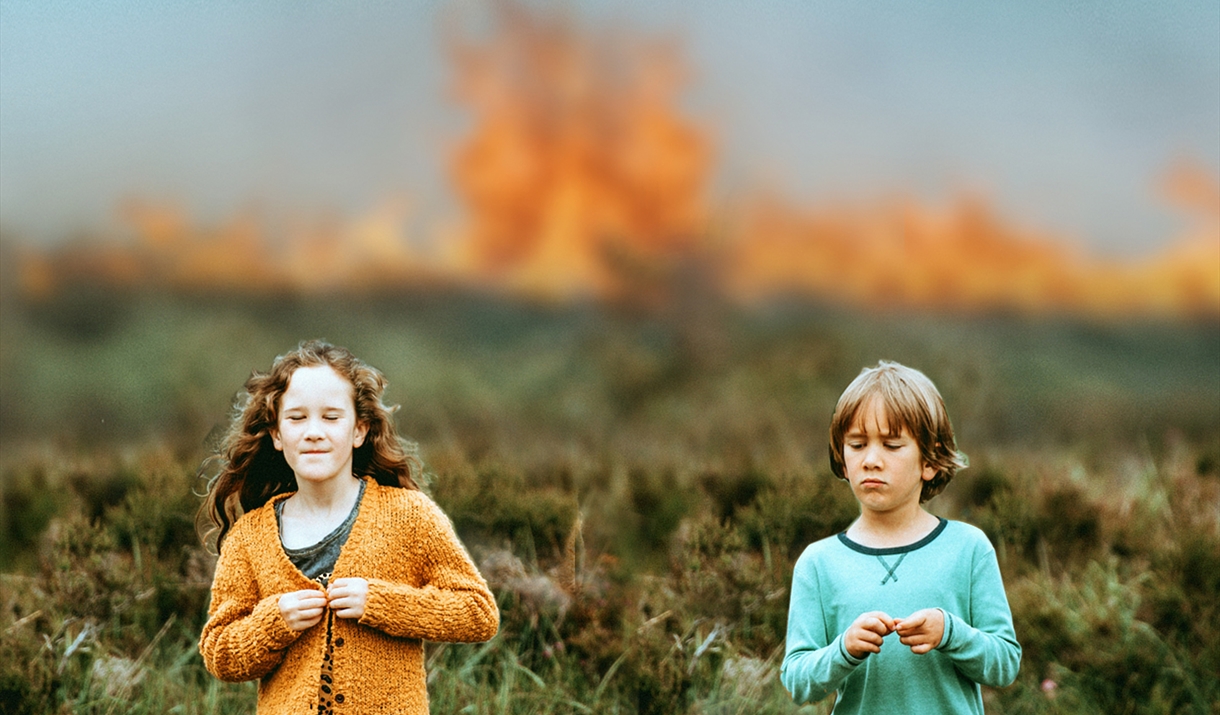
(347, 597)
(302, 609)
(922, 630)
(865, 633)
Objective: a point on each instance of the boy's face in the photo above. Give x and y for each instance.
(885, 469)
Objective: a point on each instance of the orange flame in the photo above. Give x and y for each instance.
(578, 154)
(242, 255)
(581, 175)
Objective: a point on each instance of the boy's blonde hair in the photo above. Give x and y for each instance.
(911, 402)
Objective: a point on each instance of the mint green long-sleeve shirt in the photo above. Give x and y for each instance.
(954, 568)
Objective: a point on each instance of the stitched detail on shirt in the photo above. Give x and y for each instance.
(889, 570)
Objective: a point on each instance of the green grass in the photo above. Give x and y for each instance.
(636, 486)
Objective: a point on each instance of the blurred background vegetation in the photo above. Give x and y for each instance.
(621, 383)
(635, 485)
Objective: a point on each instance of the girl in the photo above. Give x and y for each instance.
(333, 566)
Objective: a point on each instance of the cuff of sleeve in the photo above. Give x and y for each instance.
(948, 632)
(267, 614)
(851, 659)
(378, 611)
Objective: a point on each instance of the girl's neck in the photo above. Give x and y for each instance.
(890, 529)
(325, 499)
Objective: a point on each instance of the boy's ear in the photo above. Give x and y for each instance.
(928, 472)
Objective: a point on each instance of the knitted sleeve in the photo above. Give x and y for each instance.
(244, 637)
(452, 603)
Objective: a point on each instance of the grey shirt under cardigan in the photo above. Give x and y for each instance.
(318, 561)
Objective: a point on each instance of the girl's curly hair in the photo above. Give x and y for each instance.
(248, 470)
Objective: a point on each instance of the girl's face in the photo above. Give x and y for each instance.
(884, 467)
(317, 428)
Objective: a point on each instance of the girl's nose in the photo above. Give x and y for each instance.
(313, 430)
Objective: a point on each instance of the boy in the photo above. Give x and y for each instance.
(898, 569)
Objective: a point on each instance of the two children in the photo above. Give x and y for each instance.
(334, 567)
(904, 612)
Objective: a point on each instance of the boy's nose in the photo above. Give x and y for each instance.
(872, 458)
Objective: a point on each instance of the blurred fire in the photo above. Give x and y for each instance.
(966, 257)
(579, 164)
(583, 179)
(244, 255)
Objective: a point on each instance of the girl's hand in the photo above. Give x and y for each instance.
(347, 596)
(302, 609)
(922, 630)
(865, 633)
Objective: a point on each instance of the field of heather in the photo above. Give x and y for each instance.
(635, 483)
(617, 262)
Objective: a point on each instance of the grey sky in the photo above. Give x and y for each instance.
(1064, 113)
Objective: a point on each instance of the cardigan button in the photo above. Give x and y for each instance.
(338, 642)
(339, 698)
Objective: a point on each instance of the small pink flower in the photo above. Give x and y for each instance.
(1049, 687)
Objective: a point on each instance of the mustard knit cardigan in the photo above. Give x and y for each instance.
(422, 586)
